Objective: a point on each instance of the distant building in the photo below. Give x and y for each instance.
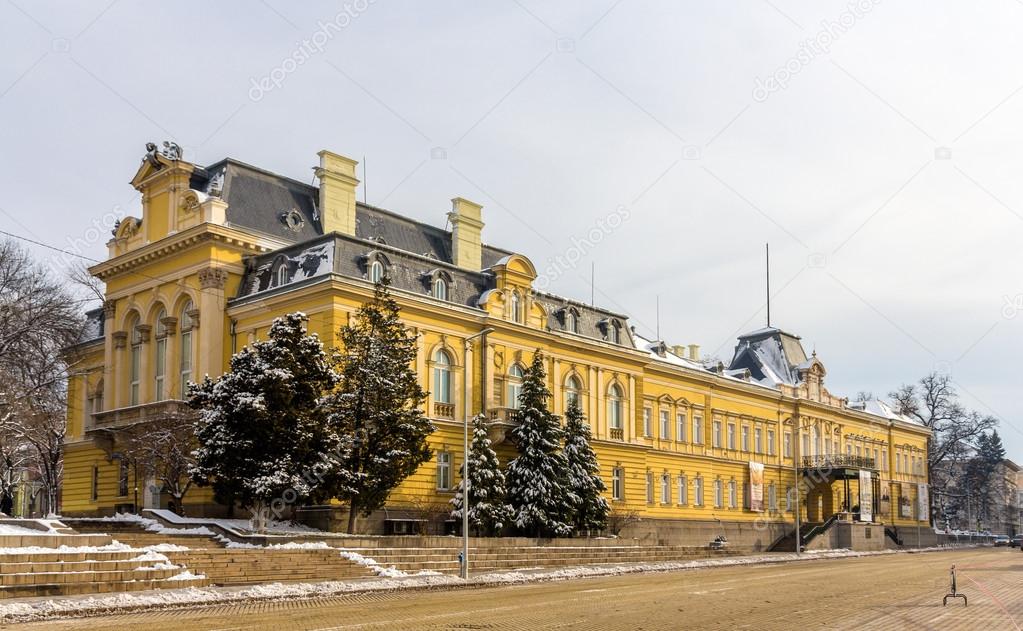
(694, 449)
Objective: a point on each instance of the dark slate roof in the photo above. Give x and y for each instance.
(772, 356)
(591, 322)
(93, 328)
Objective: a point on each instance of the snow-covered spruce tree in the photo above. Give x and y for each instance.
(261, 428)
(536, 489)
(379, 403)
(589, 507)
(488, 513)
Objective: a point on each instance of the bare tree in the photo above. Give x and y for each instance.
(39, 320)
(934, 403)
(162, 449)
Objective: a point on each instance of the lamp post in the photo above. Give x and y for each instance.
(465, 450)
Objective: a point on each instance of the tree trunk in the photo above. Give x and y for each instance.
(353, 513)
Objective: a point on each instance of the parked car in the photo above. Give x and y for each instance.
(1001, 540)
(1016, 541)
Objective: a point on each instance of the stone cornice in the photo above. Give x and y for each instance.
(194, 236)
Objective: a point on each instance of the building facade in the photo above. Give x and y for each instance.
(688, 448)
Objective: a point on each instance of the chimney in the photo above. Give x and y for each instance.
(694, 352)
(466, 226)
(337, 192)
(679, 350)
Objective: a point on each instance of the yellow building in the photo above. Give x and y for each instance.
(220, 251)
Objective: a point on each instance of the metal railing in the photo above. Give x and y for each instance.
(838, 461)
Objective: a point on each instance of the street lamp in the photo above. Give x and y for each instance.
(465, 449)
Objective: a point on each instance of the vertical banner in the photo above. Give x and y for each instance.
(905, 506)
(756, 486)
(923, 504)
(866, 496)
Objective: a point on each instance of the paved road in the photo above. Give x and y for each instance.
(888, 592)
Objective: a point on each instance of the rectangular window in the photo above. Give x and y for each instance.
(683, 490)
(789, 499)
(95, 483)
(758, 440)
(770, 442)
(859, 452)
(717, 433)
(883, 465)
(719, 500)
(848, 449)
(161, 368)
(733, 499)
(122, 477)
(698, 491)
(443, 470)
(649, 487)
(186, 362)
(877, 460)
(647, 413)
(806, 446)
(665, 425)
(680, 427)
(617, 475)
(136, 369)
(731, 436)
(788, 444)
(898, 463)
(745, 438)
(772, 497)
(665, 488)
(698, 430)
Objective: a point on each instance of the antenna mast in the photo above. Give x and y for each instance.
(365, 184)
(658, 298)
(592, 285)
(767, 260)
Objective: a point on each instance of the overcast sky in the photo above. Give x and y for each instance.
(875, 145)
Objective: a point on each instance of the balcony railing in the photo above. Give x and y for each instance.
(617, 433)
(838, 461)
(157, 411)
(444, 410)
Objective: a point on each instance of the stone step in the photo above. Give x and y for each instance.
(68, 589)
(26, 567)
(57, 556)
(56, 578)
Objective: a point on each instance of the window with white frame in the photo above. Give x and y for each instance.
(516, 307)
(443, 470)
(573, 392)
(898, 463)
(665, 425)
(731, 436)
(758, 440)
(883, 465)
(683, 490)
(698, 491)
(733, 496)
(788, 444)
(442, 377)
(185, 359)
(647, 413)
(772, 497)
(806, 445)
(135, 369)
(515, 375)
(617, 484)
(717, 433)
(719, 494)
(680, 427)
(665, 488)
(790, 499)
(745, 438)
(649, 487)
(440, 288)
(376, 272)
(698, 430)
(160, 358)
(770, 442)
(614, 406)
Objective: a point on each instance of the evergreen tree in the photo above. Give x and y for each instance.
(488, 512)
(589, 507)
(536, 490)
(379, 403)
(982, 474)
(261, 429)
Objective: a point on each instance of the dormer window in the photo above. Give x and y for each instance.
(376, 272)
(571, 319)
(516, 307)
(438, 283)
(440, 289)
(281, 277)
(377, 265)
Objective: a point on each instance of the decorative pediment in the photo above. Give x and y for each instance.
(156, 159)
(127, 228)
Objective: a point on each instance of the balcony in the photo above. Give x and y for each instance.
(838, 461)
(147, 412)
(617, 433)
(501, 422)
(444, 410)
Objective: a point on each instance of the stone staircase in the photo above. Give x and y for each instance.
(136, 536)
(67, 572)
(240, 566)
(445, 560)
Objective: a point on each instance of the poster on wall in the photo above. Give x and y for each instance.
(756, 486)
(866, 496)
(905, 506)
(923, 507)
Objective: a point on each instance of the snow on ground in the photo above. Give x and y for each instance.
(380, 570)
(233, 525)
(7, 529)
(120, 603)
(291, 545)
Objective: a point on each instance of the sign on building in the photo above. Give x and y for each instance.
(866, 496)
(756, 486)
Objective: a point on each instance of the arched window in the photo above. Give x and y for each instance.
(282, 275)
(571, 321)
(185, 363)
(440, 289)
(135, 360)
(573, 392)
(515, 375)
(376, 272)
(516, 307)
(442, 377)
(160, 357)
(615, 406)
(614, 334)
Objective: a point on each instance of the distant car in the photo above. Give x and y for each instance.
(1016, 541)
(1002, 540)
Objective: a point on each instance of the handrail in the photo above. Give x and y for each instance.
(818, 529)
(835, 461)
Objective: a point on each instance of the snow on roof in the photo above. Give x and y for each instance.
(877, 407)
(668, 357)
